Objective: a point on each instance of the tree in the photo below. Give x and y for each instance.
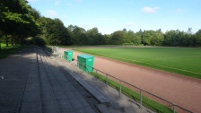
(16, 19)
(77, 34)
(157, 38)
(178, 38)
(107, 38)
(147, 36)
(54, 31)
(198, 38)
(131, 35)
(93, 37)
(119, 37)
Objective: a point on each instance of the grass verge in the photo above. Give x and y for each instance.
(148, 103)
(7, 51)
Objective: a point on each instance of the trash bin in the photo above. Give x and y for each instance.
(85, 62)
(68, 55)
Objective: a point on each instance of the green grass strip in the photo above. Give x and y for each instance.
(7, 51)
(148, 103)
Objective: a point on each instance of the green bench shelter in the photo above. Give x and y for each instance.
(85, 62)
(68, 55)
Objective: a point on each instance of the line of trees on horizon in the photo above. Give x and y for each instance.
(21, 24)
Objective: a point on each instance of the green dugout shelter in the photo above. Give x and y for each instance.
(68, 55)
(85, 62)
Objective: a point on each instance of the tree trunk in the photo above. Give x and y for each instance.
(12, 40)
(0, 43)
(21, 41)
(6, 41)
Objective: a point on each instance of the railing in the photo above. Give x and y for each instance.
(175, 108)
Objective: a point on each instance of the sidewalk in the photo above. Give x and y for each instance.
(35, 82)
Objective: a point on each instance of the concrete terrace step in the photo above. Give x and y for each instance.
(91, 89)
(31, 100)
(57, 95)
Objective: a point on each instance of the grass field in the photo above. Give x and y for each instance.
(185, 61)
(5, 52)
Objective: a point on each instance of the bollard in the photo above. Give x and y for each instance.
(120, 88)
(174, 111)
(96, 75)
(140, 98)
(106, 80)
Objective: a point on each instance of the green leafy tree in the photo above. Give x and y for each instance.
(198, 38)
(77, 34)
(16, 20)
(54, 31)
(93, 37)
(137, 39)
(146, 37)
(119, 37)
(157, 38)
(178, 38)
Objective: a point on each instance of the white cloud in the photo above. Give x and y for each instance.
(129, 24)
(51, 13)
(32, 0)
(104, 19)
(57, 2)
(150, 9)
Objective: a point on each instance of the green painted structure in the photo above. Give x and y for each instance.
(85, 62)
(68, 55)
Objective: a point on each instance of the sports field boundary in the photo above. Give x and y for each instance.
(152, 62)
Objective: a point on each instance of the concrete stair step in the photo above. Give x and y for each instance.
(56, 89)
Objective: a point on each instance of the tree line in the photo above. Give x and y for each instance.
(18, 21)
(21, 24)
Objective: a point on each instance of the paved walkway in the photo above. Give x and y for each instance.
(34, 82)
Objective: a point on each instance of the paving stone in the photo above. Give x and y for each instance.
(83, 102)
(31, 96)
(75, 103)
(64, 106)
(47, 96)
(50, 107)
(31, 107)
(59, 95)
(69, 94)
(12, 87)
(89, 110)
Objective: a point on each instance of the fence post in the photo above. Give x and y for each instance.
(96, 75)
(174, 111)
(140, 98)
(120, 88)
(106, 80)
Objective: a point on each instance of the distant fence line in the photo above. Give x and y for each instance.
(173, 106)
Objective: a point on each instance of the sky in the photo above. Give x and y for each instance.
(113, 15)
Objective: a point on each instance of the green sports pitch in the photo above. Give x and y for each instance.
(185, 61)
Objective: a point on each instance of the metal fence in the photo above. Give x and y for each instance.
(142, 93)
